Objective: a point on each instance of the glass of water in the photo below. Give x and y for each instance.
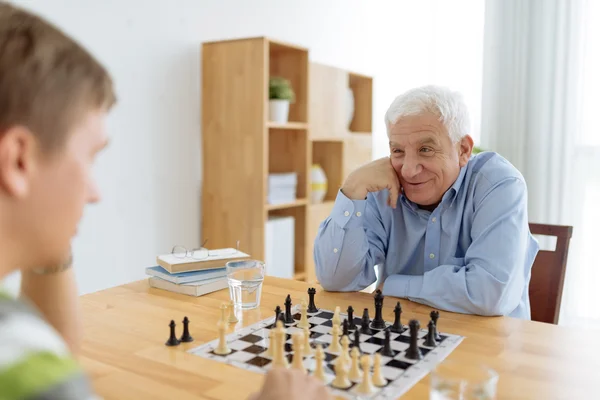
(245, 280)
(459, 381)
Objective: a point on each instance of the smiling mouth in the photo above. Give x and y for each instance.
(415, 185)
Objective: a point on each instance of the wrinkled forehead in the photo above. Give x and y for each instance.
(417, 129)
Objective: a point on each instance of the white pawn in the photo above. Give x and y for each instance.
(346, 350)
(336, 320)
(308, 351)
(232, 317)
(355, 374)
(378, 379)
(319, 372)
(341, 380)
(303, 323)
(222, 348)
(366, 385)
(335, 340)
(298, 343)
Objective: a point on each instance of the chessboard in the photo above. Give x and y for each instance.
(405, 353)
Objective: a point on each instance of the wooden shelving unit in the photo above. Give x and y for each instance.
(241, 146)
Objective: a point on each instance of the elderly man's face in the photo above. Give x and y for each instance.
(425, 159)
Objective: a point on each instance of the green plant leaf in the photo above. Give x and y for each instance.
(281, 89)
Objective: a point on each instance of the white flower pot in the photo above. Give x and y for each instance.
(318, 184)
(279, 110)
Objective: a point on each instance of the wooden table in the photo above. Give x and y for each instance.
(126, 327)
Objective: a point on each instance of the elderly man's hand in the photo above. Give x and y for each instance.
(291, 384)
(373, 177)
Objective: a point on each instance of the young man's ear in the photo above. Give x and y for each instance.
(465, 147)
(17, 160)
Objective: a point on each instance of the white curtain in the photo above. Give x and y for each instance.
(533, 113)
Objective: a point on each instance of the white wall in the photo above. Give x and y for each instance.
(151, 174)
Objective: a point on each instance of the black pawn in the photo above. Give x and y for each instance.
(289, 318)
(434, 317)
(387, 349)
(364, 327)
(345, 328)
(351, 324)
(430, 340)
(277, 314)
(186, 337)
(173, 341)
(378, 322)
(312, 308)
(413, 352)
(356, 340)
(281, 318)
(397, 327)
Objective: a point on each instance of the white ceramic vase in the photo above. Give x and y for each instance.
(318, 184)
(279, 110)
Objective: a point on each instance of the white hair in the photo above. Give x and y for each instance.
(447, 105)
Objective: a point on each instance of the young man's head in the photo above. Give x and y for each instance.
(53, 100)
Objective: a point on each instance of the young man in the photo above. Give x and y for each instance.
(54, 97)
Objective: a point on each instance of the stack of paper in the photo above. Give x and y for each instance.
(282, 188)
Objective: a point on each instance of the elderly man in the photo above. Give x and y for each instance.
(447, 229)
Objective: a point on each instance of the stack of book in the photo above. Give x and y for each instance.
(282, 188)
(190, 276)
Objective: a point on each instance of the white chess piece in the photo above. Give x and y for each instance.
(319, 372)
(335, 340)
(355, 373)
(272, 343)
(308, 351)
(224, 312)
(378, 379)
(279, 359)
(341, 380)
(232, 317)
(303, 323)
(366, 385)
(336, 320)
(222, 348)
(346, 350)
(298, 343)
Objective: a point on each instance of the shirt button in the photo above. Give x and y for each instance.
(431, 255)
(358, 214)
(433, 219)
(335, 250)
(346, 213)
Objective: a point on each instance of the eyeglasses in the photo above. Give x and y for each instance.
(202, 252)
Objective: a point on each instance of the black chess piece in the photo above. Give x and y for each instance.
(277, 313)
(312, 308)
(345, 328)
(289, 318)
(351, 324)
(397, 327)
(413, 352)
(434, 317)
(186, 337)
(356, 342)
(387, 349)
(281, 318)
(364, 327)
(430, 340)
(173, 341)
(378, 322)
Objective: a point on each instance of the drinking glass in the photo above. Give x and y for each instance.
(245, 278)
(459, 381)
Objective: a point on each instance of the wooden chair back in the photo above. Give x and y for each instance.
(548, 273)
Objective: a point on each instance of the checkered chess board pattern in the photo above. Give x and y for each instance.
(249, 346)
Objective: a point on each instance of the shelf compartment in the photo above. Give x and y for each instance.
(288, 152)
(329, 155)
(362, 88)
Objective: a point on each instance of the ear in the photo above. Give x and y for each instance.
(18, 147)
(465, 147)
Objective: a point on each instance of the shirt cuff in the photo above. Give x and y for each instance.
(348, 213)
(403, 286)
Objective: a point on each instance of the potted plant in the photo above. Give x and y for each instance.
(281, 95)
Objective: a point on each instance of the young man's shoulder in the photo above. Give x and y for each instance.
(34, 360)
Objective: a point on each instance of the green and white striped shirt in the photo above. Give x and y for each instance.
(35, 363)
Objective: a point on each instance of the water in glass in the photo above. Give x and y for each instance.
(245, 280)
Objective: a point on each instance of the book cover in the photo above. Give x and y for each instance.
(190, 289)
(184, 277)
(216, 259)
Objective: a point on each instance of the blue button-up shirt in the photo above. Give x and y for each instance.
(472, 254)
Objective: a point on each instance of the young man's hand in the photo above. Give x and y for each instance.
(290, 384)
